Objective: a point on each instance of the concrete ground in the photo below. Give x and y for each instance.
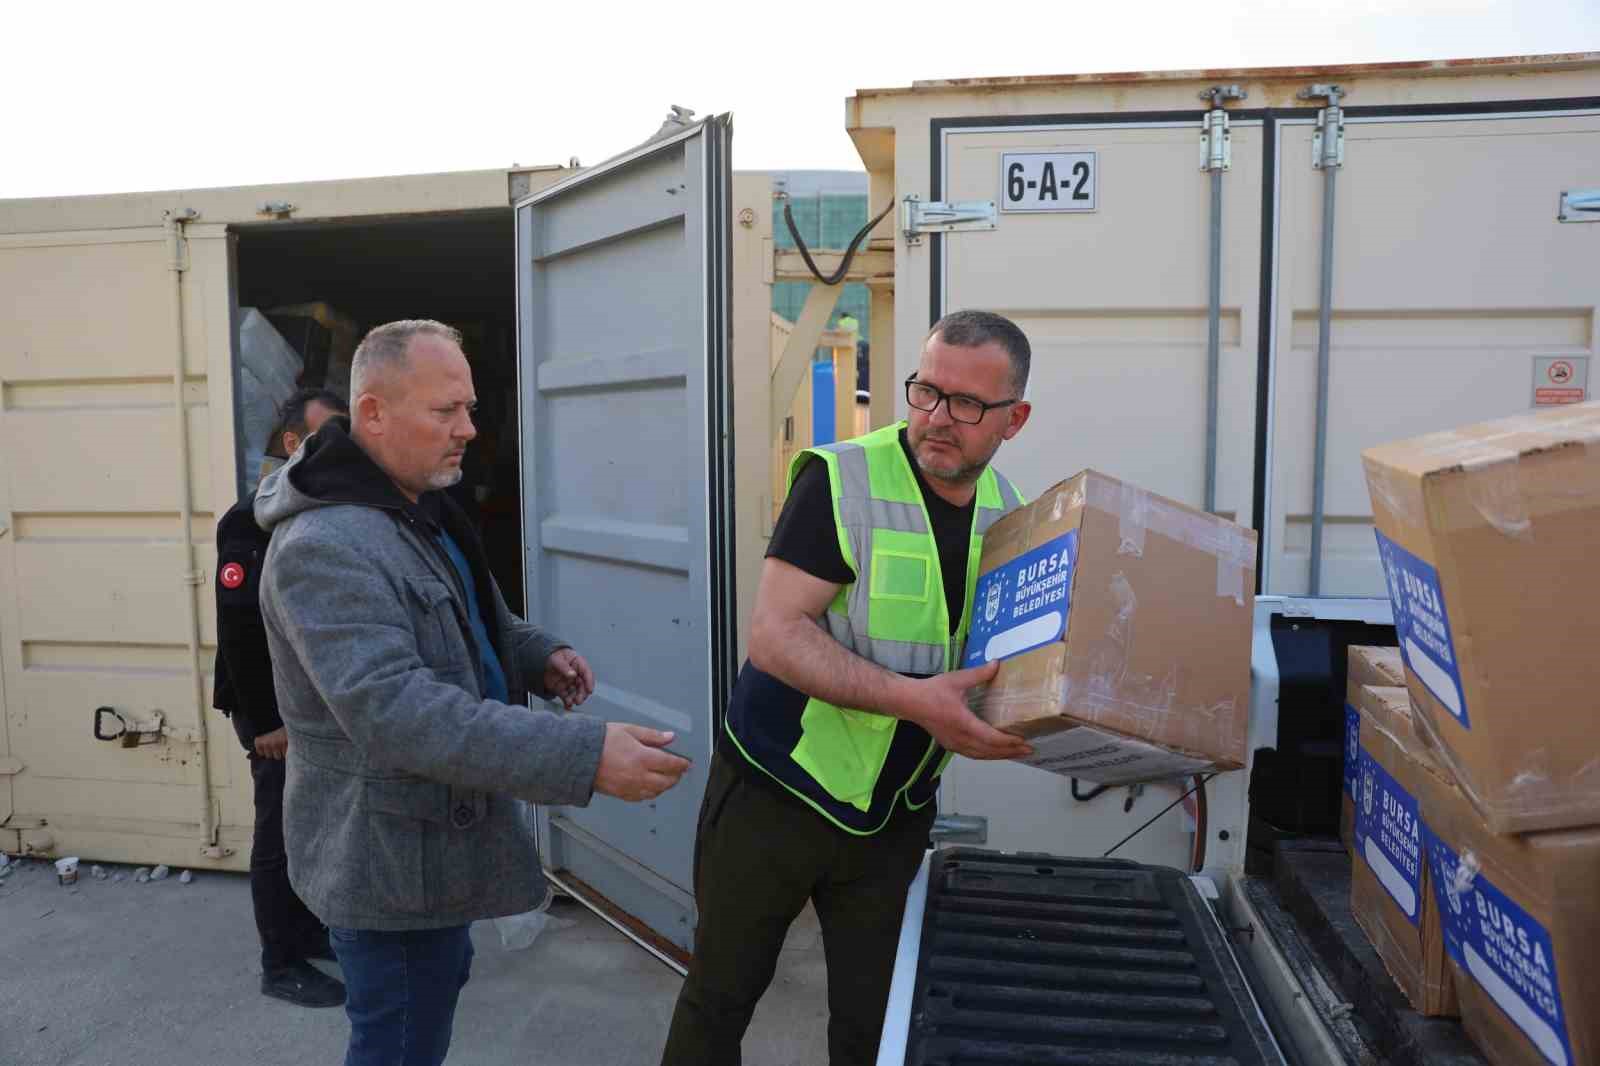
(167, 974)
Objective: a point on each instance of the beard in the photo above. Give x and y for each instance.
(959, 468)
(443, 479)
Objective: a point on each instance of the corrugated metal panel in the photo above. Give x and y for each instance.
(1037, 959)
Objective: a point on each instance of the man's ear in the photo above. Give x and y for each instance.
(367, 412)
(1019, 413)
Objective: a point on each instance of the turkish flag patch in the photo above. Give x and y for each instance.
(232, 576)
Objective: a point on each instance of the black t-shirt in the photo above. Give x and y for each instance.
(807, 537)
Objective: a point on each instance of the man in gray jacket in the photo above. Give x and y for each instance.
(402, 678)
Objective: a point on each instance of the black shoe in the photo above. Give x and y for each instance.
(303, 985)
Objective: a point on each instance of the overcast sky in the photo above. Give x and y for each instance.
(132, 96)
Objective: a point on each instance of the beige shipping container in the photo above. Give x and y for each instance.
(1462, 271)
(109, 497)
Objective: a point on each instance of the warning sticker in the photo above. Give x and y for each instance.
(1560, 379)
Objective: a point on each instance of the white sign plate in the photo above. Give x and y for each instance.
(1049, 181)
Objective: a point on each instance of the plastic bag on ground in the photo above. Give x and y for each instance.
(519, 931)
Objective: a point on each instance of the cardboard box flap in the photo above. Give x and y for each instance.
(1375, 665)
(1488, 472)
(1139, 512)
(1485, 443)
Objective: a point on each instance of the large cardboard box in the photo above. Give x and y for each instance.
(1521, 917)
(1365, 665)
(1390, 893)
(1123, 623)
(1488, 540)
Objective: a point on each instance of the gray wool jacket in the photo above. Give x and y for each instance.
(407, 799)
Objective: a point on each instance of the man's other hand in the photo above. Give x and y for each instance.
(632, 765)
(567, 678)
(273, 745)
(941, 709)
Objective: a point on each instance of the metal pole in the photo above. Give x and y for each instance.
(1328, 156)
(192, 578)
(1319, 477)
(1214, 341)
(1216, 157)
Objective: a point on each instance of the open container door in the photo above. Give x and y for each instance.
(623, 340)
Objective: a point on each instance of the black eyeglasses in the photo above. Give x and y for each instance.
(967, 409)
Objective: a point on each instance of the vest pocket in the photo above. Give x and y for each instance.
(844, 750)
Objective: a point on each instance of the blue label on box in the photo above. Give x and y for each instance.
(1505, 950)
(1023, 604)
(1389, 835)
(1352, 749)
(1423, 626)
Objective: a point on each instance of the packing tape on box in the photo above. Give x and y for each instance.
(1491, 460)
(1496, 491)
(1138, 511)
(1493, 485)
(1149, 697)
(1066, 500)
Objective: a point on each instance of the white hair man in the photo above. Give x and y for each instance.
(402, 679)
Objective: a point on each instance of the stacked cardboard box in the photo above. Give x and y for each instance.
(1519, 915)
(1367, 665)
(1486, 534)
(1390, 892)
(1122, 621)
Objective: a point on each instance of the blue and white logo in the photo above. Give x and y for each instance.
(1423, 625)
(991, 604)
(1025, 602)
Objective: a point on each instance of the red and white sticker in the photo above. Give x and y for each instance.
(1560, 379)
(231, 576)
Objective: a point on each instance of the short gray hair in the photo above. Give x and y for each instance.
(384, 349)
(974, 329)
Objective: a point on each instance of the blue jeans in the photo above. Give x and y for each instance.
(401, 991)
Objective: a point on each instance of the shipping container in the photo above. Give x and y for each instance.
(1165, 239)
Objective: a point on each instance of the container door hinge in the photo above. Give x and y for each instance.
(1216, 143)
(1327, 144)
(1579, 205)
(918, 216)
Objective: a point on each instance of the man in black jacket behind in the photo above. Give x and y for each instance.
(290, 934)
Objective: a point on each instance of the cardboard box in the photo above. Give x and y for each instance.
(1390, 893)
(1123, 622)
(1487, 536)
(1365, 665)
(1521, 916)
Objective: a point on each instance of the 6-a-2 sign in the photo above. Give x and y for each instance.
(1049, 181)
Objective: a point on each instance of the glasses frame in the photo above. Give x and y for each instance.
(945, 398)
